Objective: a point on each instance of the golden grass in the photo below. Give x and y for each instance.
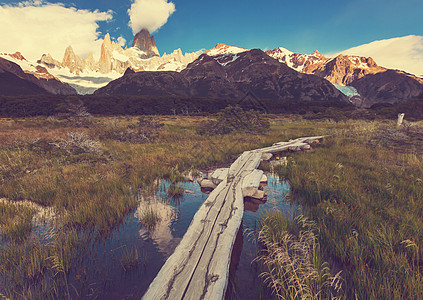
(93, 191)
(364, 190)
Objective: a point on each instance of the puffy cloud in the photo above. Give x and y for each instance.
(121, 41)
(149, 14)
(403, 53)
(37, 27)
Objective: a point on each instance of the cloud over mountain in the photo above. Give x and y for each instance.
(403, 53)
(149, 14)
(33, 27)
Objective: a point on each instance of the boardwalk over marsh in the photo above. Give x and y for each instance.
(199, 267)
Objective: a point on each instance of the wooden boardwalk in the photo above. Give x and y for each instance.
(199, 267)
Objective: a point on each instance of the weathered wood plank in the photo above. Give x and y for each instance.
(251, 183)
(199, 267)
(208, 184)
(219, 175)
(210, 278)
(294, 145)
(178, 269)
(163, 284)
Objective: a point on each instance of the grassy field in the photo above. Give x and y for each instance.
(363, 192)
(79, 177)
(363, 188)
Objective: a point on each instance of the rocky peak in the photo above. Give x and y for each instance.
(17, 55)
(221, 48)
(72, 61)
(129, 71)
(107, 41)
(145, 43)
(49, 61)
(317, 54)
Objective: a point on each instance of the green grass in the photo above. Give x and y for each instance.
(364, 191)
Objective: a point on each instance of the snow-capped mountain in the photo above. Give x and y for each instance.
(401, 53)
(298, 62)
(341, 70)
(227, 72)
(87, 75)
(14, 81)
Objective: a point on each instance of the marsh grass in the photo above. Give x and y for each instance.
(175, 190)
(131, 258)
(363, 189)
(91, 190)
(36, 267)
(149, 217)
(15, 221)
(291, 259)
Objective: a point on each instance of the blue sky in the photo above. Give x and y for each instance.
(300, 26)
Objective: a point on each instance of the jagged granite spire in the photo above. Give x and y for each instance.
(145, 43)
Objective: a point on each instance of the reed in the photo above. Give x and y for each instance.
(149, 217)
(131, 258)
(291, 259)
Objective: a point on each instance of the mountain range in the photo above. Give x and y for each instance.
(221, 72)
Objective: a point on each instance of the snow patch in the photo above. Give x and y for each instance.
(119, 56)
(225, 49)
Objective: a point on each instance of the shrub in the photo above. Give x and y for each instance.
(79, 142)
(235, 119)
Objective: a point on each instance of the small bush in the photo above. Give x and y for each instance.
(131, 258)
(175, 190)
(235, 119)
(146, 130)
(79, 142)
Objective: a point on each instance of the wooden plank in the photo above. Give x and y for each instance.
(204, 247)
(210, 278)
(208, 184)
(219, 175)
(199, 267)
(251, 183)
(178, 269)
(162, 285)
(293, 145)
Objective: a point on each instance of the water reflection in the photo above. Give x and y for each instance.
(99, 273)
(161, 232)
(244, 277)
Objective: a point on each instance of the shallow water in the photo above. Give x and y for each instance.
(101, 271)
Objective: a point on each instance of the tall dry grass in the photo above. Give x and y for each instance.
(363, 189)
(292, 262)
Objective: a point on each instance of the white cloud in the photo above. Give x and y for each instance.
(37, 27)
(149, 14)
(403, 53)
(121, 41)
